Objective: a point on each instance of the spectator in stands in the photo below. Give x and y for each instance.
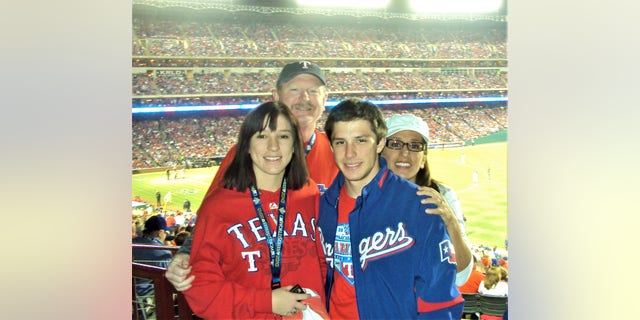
(492, 284)
(190, 219)
(179, 219)
(181, 237)
(486, 261)
(406, 154)
(169, 240)
(302, 87)
(243, 272)
(504, 263)
(152, 234)
(378, 242)
(138, 223)
(171, 220)
(504, 273)
(476, 277)
(186, 205)
(491, 256)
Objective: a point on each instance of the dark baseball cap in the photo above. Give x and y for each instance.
(295, 68)
(155, 223)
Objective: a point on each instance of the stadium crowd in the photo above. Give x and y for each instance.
(168, 141)
(259, 83)
(154, 36)
(140, 61)
(183, 63)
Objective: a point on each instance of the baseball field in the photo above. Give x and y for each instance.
(483, 200)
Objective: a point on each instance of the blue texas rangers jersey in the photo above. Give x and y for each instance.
(403, 260)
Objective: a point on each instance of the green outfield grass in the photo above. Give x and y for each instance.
(484, 204)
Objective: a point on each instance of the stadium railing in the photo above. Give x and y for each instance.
(169, 303)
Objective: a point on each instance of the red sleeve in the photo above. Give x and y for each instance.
(212, 296)
(217, 179)
(322, 167)
(320, 250)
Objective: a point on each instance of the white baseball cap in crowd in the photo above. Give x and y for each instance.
(401, 122)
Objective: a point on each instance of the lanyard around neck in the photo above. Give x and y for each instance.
(312, 141)
(275, 248)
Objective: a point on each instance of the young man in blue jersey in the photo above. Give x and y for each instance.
(386, 258)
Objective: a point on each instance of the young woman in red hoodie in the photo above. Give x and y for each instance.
(258, 236)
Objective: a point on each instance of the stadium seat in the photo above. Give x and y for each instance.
(493, 306)
(471, 306)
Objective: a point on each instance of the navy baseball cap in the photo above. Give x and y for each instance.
(155, 223)
(295, 68)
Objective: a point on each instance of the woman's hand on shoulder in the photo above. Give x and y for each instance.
(436, 204)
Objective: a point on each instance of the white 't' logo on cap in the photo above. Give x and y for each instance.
(305, 64)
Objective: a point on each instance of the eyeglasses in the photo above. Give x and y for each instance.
(411, 146)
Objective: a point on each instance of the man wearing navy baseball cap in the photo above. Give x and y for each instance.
(295, 68)
(155, 224)
(153, 234)
(302, 87)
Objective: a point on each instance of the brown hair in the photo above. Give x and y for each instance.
(493, 277)
(240, 175)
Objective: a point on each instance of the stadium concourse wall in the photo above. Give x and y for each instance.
(445, 145)
(499, 136)
(157, 169)
(212, 161)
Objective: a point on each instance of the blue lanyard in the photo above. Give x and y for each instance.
(275, 249)
(310, 144)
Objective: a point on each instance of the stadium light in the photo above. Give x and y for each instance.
(370, 4)
(455, 6)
